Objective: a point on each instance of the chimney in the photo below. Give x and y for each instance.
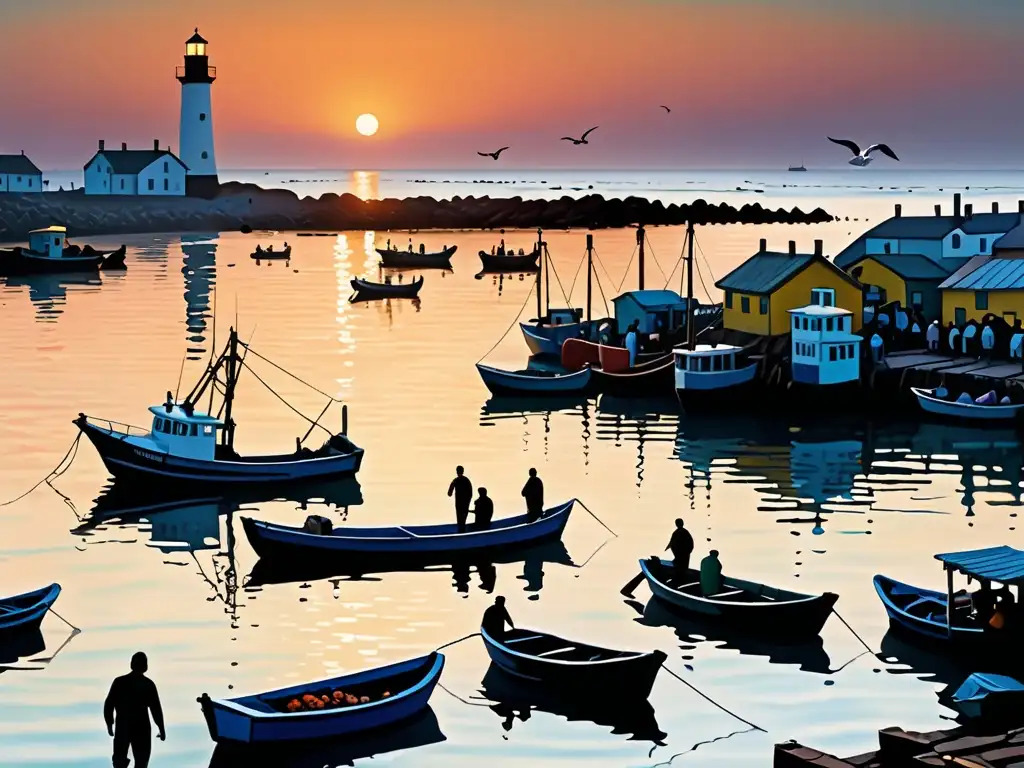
(156, 145)
(792, 247)
(103, 145)
(968, 210)
(899, 210)
(956, 205)
(938, 210)
(764, 245)
(995, 207)
(23, 153)
(818, 247)
(124, 146)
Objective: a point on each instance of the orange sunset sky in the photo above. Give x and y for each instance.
(752, 83)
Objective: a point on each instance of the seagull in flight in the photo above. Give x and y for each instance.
(582, 139)
(860, 159)
(492, 154)
(667, 110)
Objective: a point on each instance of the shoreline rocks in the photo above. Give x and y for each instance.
(247, 206)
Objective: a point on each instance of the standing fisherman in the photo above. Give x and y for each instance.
(462, 489)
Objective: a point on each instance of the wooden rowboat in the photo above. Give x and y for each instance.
(921, 613)
(586, 670)
(510, 262)
(365, 290)
(931, 402)
(760, 609)
(534, 383)
(264, 718)
(654, 378)
(399, 259)
(272, 255)
(25, 612)
(281, 541)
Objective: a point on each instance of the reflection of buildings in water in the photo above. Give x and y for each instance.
(49, 293)
(522, 409)
(366, 185)
(622, 420)
(199, 266)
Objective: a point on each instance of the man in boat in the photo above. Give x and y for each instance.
(984, 601)
(462, 488)
(259, 249)
(681, 547)
(495, 618)
(533, 492)
(410, 245)
(483, 510)
(711, 574)
(127, 709)
(423, 247)
(389, 244)
(632, 342)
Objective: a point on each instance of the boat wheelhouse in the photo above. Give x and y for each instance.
(709, 373)
(48, 252)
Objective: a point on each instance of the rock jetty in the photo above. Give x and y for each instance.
(240, 206)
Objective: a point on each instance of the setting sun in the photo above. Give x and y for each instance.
(367, 124)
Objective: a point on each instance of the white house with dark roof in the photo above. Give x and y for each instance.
(19, 174)
(156, 172)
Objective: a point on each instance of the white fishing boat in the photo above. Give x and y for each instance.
(711, 375)
(938, 403)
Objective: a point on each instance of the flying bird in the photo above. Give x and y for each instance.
(860, 158)
(665, 108)
(492, 154)
(582, 139)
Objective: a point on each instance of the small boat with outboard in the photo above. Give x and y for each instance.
(987, 409)
(339, 706)
(320, 539)
(48, 252)
(186, 446)
(396, 259)
(269, 254)
(365, 290)
(24, 613)
(587, 670)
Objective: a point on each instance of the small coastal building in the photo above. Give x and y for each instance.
(655, 311)
(911, 279)
(19, 174)
(1011, 245)
(824, 348)
(761, 291)
(135, 172)
(985, 285)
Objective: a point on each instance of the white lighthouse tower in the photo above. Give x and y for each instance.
(195, 137)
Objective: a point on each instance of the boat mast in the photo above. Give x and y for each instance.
(590, 270)
(640, 263)
(540, 250)
(231, 360)
(691, 335)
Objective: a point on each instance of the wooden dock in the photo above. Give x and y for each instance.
(930, 363)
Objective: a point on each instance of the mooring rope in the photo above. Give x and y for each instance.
(599, 520)
(708, 698)
(74, 629)
(54, 473)
(700, 744)
(513, 325)
(866, 646)
(455, 642)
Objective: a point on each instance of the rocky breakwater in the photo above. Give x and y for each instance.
(246, 205)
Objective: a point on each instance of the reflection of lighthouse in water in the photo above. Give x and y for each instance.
(199, 266)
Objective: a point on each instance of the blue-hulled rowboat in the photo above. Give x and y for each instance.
(922, 613)
(933, 402)
(25, 612)
(264, 718)
(534, 383)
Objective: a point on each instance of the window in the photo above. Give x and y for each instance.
(823, 297)
(796, 323)
(832, 355)
(983, 244)
(728, 299)
(956, 242)
(193, 430)
(807, 324)
(764, 305)
(30, 182)
(56, 241)
(917, 299)
(959, 316)
(166, 166)
(716, 363)
(205, 155)
(981, 299)
(842, 352)
(849, 351)
(745, 305)
(829, 323)
(816, 325)
(19, 179)
(202, 117)
(122, 183)
(728, 362)
(165, 426)
(104, 183)
(207, 430)
(152, 185)
(705, 364)
(167, 185)
(157, 423)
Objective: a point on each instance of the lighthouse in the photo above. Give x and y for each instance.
(195, 137)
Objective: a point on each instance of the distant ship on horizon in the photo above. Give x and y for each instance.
(798, 167)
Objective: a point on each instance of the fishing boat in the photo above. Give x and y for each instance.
(937, 402)
(653, 378)
(984, 695)
(365, 290)
(182, 446)
(48, 253)
(25, 612)
(397, 259)
(922, 613)
(532, 382)
(510, 262)
(758, 608)
(271, 255)
(586, 670)
(286, 542)
(385, 696)
(712, 376)
(798, 168)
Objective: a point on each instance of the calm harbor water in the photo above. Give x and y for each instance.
(814, 507)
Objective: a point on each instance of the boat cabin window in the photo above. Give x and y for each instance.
(729, 362)
(833, 354)
(823, 297)
(165, 426)
(193, 430)
(829, 324)
(207, 430)
(716, 363)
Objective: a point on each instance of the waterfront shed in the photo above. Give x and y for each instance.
(911, 279)
(655, 311)
(19, 174)
(984, 285)
(761, 291)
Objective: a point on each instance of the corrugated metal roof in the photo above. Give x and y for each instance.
(1003, 564)
(134, 161)
(992, 275)
(914, 266)
(764, 272)
(652, 298)
(1012, 239)
(18, 164)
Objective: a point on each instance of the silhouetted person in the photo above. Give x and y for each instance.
(681, 547)
(483, 510)
(984, 603)
(462, 488)
(533, 492)
(127, 709)
(495, 618)
(711, 574)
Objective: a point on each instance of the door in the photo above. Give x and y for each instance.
(959, 316)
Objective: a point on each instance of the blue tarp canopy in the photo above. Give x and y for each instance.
(1003, 564)
(981, 684)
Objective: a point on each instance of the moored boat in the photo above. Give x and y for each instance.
(712, 376)
(394, 258)
(547, 338)
(936, 402)
(181, 447)
(48, 252)
(422, 541)
(585, 670)
(366, 290)
(921, 613)
(24, 613)
(383, 696)
(270, 254)
(534, 383)
(758, 608)
(509, 262)
(653, 378)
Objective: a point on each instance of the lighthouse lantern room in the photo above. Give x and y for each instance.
(195, 139)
